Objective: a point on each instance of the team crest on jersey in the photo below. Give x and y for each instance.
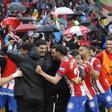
(92, 104)
(108, 99)
(70, 106)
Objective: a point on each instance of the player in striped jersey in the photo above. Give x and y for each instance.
(92, 102)
(68, 69)
(101, 84)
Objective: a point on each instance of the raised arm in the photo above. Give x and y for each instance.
(15, 56)
(53, 79)
(5, 80)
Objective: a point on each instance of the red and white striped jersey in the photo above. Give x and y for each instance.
(10, 68)
(90, 91)
(69, 69)
(101, 84)
(9, 85)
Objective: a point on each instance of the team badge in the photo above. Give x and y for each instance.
(108, 99)
(92, 104)
(70, 106)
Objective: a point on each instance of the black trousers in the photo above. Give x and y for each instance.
(29, 105)
(60, 101)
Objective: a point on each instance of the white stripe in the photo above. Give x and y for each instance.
(54, 106)
(92, 61)
(100, 86)
(107, 82)
(87, 91)
(72, 91)
(83, 90)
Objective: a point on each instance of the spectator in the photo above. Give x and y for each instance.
(105, 57)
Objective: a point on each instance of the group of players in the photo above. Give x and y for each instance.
(86, 75)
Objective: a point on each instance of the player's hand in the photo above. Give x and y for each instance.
(18, 73)
(88, 64)
(11, 41)
(79, 60)
(39, 69)
(77, 80)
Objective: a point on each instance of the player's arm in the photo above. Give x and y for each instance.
(95, 70)
(95, 73)
(53, 79)
(5, 80)
(100, 57)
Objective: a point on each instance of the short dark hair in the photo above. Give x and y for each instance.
(74, 53)
(54, 46)
(93, 48)
(62, 49)
(25, 46)
(40, 42)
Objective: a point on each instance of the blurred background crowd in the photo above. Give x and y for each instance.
(71, 22)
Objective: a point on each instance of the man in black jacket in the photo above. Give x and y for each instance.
(43, 58)
(28, 89)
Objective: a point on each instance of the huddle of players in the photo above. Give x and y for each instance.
(92, 83)
(85, 75)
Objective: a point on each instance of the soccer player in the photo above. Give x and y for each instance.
(68, 69)
(92, 102)
(105, 57)
(101, 84)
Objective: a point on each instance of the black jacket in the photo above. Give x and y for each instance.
(2, 62)
(45, 62)
(30, 85)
